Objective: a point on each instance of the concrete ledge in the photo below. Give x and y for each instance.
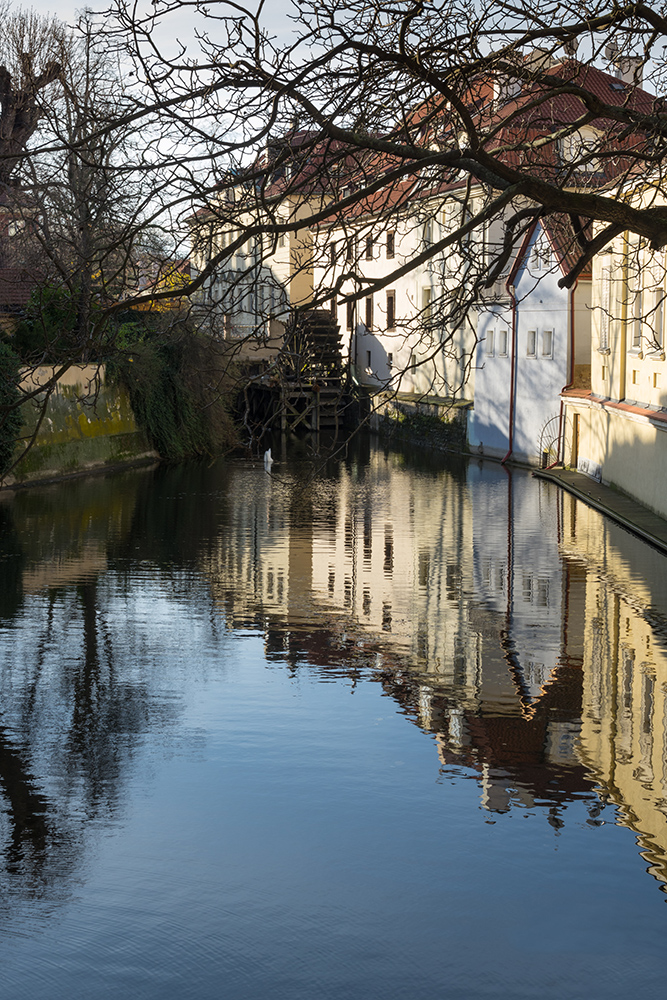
(629, 513)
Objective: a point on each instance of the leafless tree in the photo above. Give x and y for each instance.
(449, 127)
(388, 116)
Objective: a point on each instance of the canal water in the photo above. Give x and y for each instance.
(390, 727)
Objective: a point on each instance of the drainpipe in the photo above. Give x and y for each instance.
(569, 383)
(512, 294)
(511, 291)
(625, 318)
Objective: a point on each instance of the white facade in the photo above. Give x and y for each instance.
(398, 338)
(525, 356)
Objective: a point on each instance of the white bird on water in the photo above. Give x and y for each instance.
(268, 461)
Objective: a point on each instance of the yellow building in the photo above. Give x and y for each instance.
(259, 249)
(616, 432)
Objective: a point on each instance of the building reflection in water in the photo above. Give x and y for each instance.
(521, 630)
(506, 619)
(624, 711)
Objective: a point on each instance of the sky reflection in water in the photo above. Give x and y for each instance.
(394, 728)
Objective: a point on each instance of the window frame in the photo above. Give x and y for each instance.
(391, 311)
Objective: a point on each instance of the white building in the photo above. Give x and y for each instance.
(533, 341)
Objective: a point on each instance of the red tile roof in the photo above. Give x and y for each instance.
(16, 286)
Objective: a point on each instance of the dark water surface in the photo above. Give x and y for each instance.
(394, 730)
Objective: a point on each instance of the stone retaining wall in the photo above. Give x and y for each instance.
(87, 425)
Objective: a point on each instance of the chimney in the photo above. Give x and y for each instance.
(629, 69)
(539, 60)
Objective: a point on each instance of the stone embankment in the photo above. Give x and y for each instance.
(432, 422)
(88, 425)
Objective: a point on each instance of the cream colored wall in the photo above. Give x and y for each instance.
(631, 450)
(582, 322)
(628, 445)
(301, 257)
(608, 364)
(289, 265)
(626, 371)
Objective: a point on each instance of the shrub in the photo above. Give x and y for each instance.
(11, 419)
(162, 371)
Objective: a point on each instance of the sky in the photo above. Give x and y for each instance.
(180, 24)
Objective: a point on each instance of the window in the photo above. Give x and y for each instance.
(547, 343)
(502, 343)
(635, 377)
(349, 249)
(576, 151)
(390, 244)
(527, 588)
(332, 253)
(369, 248)
(658, 321)
(426, 304)
(390, 360)
(541, 257)
(542, 594)
(531, 344)
(281, 240)
(368, 359)
(391, 310)
(490, 337)
(605, 302)
(536, 260)
(369, 312)
(638, 319)
(350, 315)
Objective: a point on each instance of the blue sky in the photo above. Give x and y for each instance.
(180, 24)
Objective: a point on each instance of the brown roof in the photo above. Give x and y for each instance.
(16, 286)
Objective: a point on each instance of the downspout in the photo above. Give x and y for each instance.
(510, 434)
(568, 384)
(623, 354)
(511, 291)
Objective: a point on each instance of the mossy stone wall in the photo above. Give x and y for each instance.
(88, 425)
(431, 421)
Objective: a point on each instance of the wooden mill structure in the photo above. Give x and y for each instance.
(306, 388)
